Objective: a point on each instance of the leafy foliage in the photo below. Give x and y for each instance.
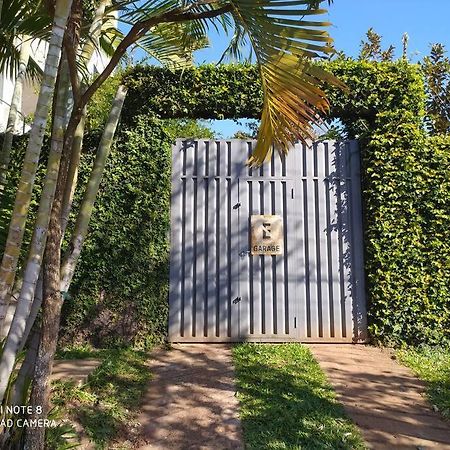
(436, 68)
(121, 285)
(26, 18)
(119, 294)
(406, 201)
(371, 48)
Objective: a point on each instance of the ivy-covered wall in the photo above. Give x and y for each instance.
(405, 176)
(120, 291)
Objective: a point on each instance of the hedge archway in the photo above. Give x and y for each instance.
(405, 185)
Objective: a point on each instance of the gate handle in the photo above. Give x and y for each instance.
(243, 253)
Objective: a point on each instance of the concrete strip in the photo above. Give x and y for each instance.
(191, 402)
(382, 397)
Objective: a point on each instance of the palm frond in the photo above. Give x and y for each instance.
(173, 44)
(285, 39)
(21, 18)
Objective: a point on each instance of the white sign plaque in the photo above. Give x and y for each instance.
(266, 235)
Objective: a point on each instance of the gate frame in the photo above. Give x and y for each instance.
(359, 300)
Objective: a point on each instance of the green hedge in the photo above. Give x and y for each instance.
(119, 294)
(405, 197)
(121, 284)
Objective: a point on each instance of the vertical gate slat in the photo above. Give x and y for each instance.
(200, 244)
(329, 233)
(211, 242)
(189, 241)
(223, 259)
(296, 228)
(312, 243)
(256, 263)
(175, 243)
(277, 165)
(243, 257)
(346, 237)
(268, 297)
(235, 170)
(334, 199)
(280, 205)
(323, 241)
(359, 288)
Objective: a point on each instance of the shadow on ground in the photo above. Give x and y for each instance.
(383, 398)
(191, 400)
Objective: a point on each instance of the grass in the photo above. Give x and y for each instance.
(433, 366)
(106, 406)
(286, 401)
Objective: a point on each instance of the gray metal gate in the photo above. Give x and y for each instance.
(219, 291)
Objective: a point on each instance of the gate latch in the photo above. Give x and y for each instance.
(237, 300)
(244, 253)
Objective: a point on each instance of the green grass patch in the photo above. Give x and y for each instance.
(286, 401)
(106, 406)
(433, 366)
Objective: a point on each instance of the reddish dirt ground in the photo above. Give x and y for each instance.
(191, 402)
(382, 397)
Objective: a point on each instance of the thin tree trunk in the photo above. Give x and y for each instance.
(87, 204)
(52, 302)
(38, 241)
(26, 369)
(72, 176)
(23, 196)
(35, 307)
(12, 116)
(86, 54)
(51, 312)
(40, 391)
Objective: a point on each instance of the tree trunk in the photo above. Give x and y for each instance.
(12, 116)
(23, 379)
(87, 204)
(51, 313)
(35, 307)
(86, 54)
(38, 240)
(40, 392)
(23, 196)
(72, 176)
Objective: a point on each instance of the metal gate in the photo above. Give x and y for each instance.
(220, 291)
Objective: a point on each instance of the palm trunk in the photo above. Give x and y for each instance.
(35, 307)
(12, 116)
(26, 369)
(86, 54)
(51, 312)
(87, 205)
(23, 196)
(38, 241)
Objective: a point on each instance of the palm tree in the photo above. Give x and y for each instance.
(13, 110)
(23, 196)
(17, 25)
(284, 44)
